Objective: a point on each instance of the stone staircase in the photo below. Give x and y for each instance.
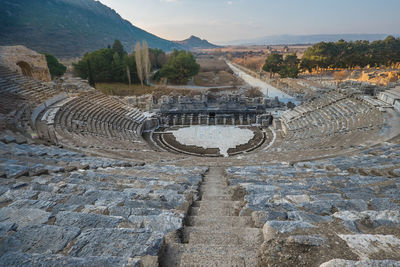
(214, 234)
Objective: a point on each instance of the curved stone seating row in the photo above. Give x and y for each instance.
(339, 208)
(330, 124)
(31, 90)
(60, 207)
(97, 115)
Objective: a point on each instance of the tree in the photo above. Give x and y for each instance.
(139, 62)
(290, 67)
(273, 63)
(118, 48)
(180, 67)
(90, 75)
(349, 55)
(56, 68)
(146, 61)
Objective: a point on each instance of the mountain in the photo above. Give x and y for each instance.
(195, 43)
(69, 28)
(307, 39)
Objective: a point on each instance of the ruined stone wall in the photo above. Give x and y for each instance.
(25, 61)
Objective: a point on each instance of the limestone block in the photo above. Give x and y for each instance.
(25, 61)
(23, 259)
(24, 217)
(39, 239)
(272, 228)
(363, 263)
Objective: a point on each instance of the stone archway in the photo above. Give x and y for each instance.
(25, 61)
(25, 68)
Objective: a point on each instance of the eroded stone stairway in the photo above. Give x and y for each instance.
(214, 235)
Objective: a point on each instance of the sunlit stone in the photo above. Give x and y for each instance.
(221, 137)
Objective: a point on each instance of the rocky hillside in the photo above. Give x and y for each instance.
(195, 43)
(69, 28)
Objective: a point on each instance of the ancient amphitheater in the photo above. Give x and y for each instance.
(89, 180)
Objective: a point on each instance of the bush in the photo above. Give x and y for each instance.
(56, 68)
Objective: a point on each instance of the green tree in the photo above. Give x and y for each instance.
(349, 55)
(118, 48)
(290, 67)
(180, 67)
(56, 68)
(273, 63)
(90, 75)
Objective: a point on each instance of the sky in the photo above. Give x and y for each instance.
(221, 21)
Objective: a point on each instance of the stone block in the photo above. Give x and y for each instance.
(272, 228)
(39, 239)
(362, 263)
(24, 217)
(86, 220)
(127, 243)
(23, 259)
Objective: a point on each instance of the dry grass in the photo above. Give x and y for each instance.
(255, 63)
(121, 89)
(211, 79)
(340, 75)
(214, 72)
(212, 64)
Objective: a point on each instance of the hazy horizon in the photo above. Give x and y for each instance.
(221, 21)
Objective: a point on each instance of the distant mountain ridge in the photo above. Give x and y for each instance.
(195, 43)
(70, 28)
(307, 39)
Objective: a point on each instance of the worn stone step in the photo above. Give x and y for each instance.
(212, 212)
(221, 204)
(190, 260)
(208, 255)
(244, 237)
(220, 222)
(213, 187)
(216, 197)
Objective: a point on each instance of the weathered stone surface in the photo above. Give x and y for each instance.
(32, 204)
(24, 217)
(261, 217)
(164, 222)
(308, 240)
(367, 245)
(7, 227)
(378, 218)
(272, 228)
(363, 263)
(35, 64)
(308, 217)
(86, 220)
(117, 243)
(39, 239)
(21, 259)
(15, 171)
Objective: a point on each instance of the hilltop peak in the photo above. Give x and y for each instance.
(195, 43)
